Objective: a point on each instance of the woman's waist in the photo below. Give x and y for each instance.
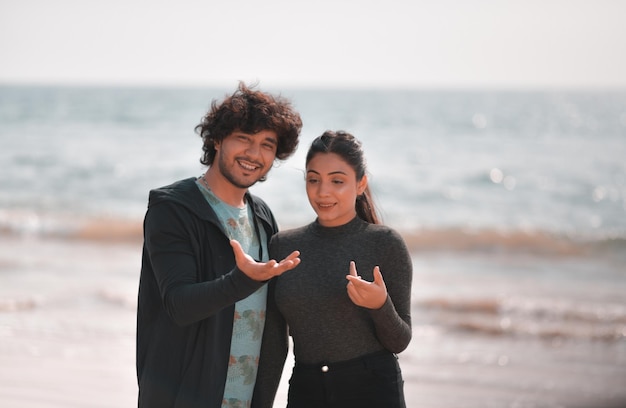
(326, 365)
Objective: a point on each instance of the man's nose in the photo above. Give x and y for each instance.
(253, 149)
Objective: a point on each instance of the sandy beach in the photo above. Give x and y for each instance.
(67, 339)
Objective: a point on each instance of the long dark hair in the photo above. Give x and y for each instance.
(349, 149)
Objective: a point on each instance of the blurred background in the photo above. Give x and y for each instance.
(495, 133)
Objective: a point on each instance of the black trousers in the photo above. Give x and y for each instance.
(370, 381)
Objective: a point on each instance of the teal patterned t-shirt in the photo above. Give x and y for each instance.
(249, 319)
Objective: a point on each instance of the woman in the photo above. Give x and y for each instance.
(347, 305)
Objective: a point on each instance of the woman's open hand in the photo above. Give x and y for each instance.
(371, 295)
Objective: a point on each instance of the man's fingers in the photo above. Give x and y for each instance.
(241, 257)
(236, 247)
(292, 256)
(262, 271)
(286, 264)
(291, 261)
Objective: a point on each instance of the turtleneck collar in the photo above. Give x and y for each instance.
(352, 226)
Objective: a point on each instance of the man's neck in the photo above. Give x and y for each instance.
(223, 189)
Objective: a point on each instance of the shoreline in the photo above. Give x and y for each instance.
(104, 230)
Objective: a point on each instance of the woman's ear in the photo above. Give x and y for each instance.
(361, 185)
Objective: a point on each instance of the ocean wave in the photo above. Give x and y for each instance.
(123, 300)
(69, 226)
(109, 297)
(519, 316)
(486, 240)
(491, 240)
(18, 305)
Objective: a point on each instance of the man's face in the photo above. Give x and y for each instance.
(244, 158)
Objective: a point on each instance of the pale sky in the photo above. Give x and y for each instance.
(400, 43)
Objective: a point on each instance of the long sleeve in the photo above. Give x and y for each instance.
(393, 321)
(189, 290)
(273, 354)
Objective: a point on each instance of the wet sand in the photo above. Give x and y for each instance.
(67, 322)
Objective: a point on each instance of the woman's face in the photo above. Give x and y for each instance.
(332, 188)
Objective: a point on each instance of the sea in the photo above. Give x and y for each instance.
(512, 203)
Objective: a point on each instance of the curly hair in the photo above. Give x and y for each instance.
(250, 111)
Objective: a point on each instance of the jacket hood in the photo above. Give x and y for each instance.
(186, 193)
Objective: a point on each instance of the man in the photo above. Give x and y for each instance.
(202, 295)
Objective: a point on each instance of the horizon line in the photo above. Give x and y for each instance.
(269, 84)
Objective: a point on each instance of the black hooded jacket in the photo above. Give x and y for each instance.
(188, 287)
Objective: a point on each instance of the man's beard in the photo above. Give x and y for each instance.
(228, 175)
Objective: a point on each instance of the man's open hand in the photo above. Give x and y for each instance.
(262, 271)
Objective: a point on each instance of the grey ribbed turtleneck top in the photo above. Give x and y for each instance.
(324, 323)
